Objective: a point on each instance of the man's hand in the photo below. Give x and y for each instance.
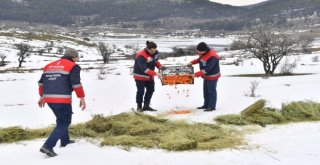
(41, 102)
(163, 68)
(193, 75)
(83, 105)
(189, 64)
(159, 75)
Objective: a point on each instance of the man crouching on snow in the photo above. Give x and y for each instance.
(57, 82)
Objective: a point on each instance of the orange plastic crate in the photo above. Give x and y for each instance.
(177, 75)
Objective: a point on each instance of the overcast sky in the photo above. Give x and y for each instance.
(238, 2)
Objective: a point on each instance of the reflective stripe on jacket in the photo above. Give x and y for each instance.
(144, 65)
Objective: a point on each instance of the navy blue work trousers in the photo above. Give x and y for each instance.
(210, 93)
(63, 113)
(141, 86)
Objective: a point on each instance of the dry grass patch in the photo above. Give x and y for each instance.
(301, 111)
(140, 130)
(13, 134)
(258, 113)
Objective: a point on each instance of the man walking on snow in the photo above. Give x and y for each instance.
(210, 72)
(57, 82)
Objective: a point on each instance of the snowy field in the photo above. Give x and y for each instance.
(286, 144)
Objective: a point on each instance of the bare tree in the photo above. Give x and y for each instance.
(105, 51)
(315, 59)
(2, 57)
(305, 40)
(237, 45)
(135, 49)
(287, 67)
(60, 50)
(269, 47)
(23, 52)
(253, 88)
(41, 51)
(102, 72)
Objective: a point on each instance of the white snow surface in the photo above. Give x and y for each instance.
(238, 2)
(296, 143)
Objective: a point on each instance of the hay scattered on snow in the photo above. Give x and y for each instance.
(301, 111)
(13, 134)
(257, 113)
(232, 119)
(140, 130)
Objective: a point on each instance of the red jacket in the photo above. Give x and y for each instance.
(209, 66)
(58, 80)
(144, 65)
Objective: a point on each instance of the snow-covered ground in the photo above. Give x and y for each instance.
(286, 144)
(276, 145)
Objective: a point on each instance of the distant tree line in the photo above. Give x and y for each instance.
(94, 12)
(225, 24)
(66, 12)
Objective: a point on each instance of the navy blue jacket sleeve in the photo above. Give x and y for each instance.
(75, 75)
(75, 81)
(210, 64)
(142, 63)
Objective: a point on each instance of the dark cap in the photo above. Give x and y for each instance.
(151, 45)
(203, 47)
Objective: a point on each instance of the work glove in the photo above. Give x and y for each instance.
(163, 68)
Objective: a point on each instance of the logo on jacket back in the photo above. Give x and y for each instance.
(56, 67)
(53, 76)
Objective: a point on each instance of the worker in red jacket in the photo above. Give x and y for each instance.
(210, 72)
(143, 72)
(57, 82)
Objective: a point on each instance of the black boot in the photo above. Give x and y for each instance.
(202, 107)
(47, 151)
(139, 108)
(69, 142)
(146, 107)
(209, 109)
